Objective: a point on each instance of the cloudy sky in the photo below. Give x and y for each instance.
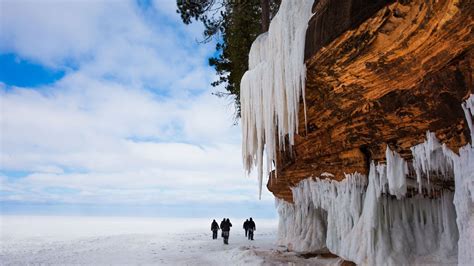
(106, 109)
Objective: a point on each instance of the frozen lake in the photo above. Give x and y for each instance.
(119, 240)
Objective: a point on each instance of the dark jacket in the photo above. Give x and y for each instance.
(251, 225)
(226, 225)
(246, 225)
(214, 226)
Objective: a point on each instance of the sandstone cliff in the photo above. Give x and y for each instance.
(379, 73)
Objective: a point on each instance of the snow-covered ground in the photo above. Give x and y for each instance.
(119, 240)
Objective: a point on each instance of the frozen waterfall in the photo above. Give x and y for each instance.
(271, 89)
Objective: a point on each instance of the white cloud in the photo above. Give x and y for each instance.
(134, 120)
(50, 31)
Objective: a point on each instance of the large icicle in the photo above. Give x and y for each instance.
(397, 169)
(272, 87)
(464, 192)
(431, 157)
(468, 108)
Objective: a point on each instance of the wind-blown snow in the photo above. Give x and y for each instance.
(271, 89)
(359, 220)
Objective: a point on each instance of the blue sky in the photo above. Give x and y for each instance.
(106, 109)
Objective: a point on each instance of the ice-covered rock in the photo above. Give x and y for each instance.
(374, 222)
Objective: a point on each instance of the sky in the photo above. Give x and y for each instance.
(106, 109)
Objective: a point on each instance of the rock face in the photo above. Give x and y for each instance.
(379, 73)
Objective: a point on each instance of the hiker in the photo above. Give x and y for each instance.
(246, 226)
(214, 229)
(222, 223)
(226, 225)
(251, 228)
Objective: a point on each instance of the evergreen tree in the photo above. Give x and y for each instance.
(234, 24)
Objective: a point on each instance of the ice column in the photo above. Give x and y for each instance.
(464, 193)
(396, 170)
(468, 108)
(431, 157)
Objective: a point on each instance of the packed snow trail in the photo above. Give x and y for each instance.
(118, 240)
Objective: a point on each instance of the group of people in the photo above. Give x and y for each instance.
(249, 227)
(224, 226)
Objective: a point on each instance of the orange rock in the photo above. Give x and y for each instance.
(403, 71)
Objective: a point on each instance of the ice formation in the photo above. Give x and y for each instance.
(396, 171)
(271, 89)
(430, 157)
(373, 220)
(464, 192)
(468, 108)
(363, 225)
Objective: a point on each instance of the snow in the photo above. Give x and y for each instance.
(120, 240)
(271, 89)
(326, 174)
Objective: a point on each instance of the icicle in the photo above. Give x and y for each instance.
(397, 169)
(272, 87)
(357, 222)
(464, 191)
(430, 156)
(468, 108)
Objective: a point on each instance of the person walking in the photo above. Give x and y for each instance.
(246, 225)
(214, 229)
(226, 225)
(222, 223)
(251, 228)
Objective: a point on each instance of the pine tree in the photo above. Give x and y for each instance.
(234, 24)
